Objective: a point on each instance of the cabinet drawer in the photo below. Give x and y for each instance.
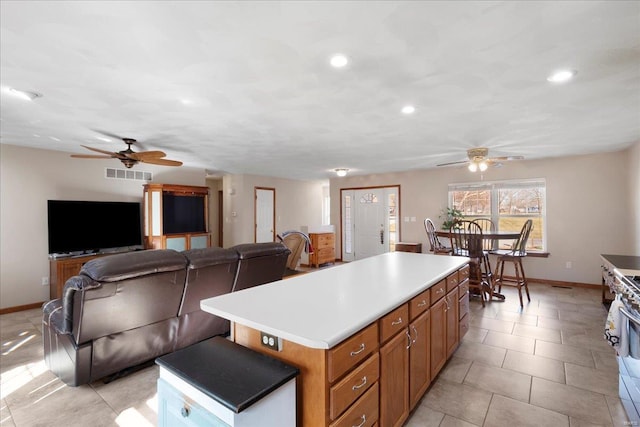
(438, 290)
(463, 288)
(463, 307)
(419, 304)
(325, 240)
(464, 326)
(393, 322)
(452, 281)
(463, 273)
(351, 351)
(354, 385)
(364, 413)
(325, 253)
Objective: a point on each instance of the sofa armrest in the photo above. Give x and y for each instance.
(52, 317)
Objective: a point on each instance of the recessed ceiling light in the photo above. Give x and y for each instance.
(103, 139)
(562, 76)
(55, 139)
(339, 60)
(24, 94)
(185, 101)
(341, 171)
(408, 109)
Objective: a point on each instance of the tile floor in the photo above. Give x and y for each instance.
(545, 365)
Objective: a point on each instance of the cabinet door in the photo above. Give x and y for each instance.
(394, 381)
(419, 358)
(451, 301)
(438, 336)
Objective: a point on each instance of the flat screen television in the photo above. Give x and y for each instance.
(85, 226)
(183, 214)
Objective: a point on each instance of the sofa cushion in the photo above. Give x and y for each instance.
(207, 257)
(117, 267)
(253, 250)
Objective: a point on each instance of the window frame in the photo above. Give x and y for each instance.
(494, 188)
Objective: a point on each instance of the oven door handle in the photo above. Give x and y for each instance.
(630, 316)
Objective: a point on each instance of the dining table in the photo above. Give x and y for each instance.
(493, 236)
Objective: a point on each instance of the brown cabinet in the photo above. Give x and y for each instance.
(419, 358)
(409, 247)
(438, 336)
(176, 217)
(324, 248)
(394, 380)
(453, 321)
(60, 270)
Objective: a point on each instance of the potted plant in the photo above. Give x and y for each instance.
(449, 216)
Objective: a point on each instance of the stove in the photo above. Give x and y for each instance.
(621, 276)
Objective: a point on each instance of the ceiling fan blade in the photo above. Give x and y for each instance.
(146, 155)
(97, 150)
(505, 158)
(109, 134)
(454, 163)
(90, 156)
(163, 162)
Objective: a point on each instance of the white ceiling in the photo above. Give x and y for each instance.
(263, 99)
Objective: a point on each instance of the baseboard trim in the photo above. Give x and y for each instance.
(21, 308)
(559, 283)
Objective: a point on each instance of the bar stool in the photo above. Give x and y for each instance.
(514, 255)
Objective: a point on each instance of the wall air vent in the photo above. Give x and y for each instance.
(113, 173)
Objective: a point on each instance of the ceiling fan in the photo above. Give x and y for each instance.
(478, 159)
(129, 157)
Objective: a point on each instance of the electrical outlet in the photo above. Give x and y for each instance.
(45, 281)
(271, 341)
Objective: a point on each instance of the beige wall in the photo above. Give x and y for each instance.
(30, 177)
(588, 208)
(298, 203)
(634, 195)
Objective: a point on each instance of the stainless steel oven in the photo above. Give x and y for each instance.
(628, 287)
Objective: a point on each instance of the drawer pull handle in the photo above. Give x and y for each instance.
(360, 350)
(364, 420)
(185, 412)
(422, 303)
(408, 339)
(397, 322)
(362, 384)
(439, 291)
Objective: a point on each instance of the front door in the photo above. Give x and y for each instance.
(369, 221)
(265, 214)
(371, 228)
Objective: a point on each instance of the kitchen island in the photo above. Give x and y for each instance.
(367, 336)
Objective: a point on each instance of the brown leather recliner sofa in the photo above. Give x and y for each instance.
(125, 309)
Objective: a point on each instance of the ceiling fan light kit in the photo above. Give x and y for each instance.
(478, 160)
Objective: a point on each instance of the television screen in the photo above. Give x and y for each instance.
(183, 214)
(76, 226)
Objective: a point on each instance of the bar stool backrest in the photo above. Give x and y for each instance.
(520, 245)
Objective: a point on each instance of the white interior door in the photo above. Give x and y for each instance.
(265, 214)
(369, 221)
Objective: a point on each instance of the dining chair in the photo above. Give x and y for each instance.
(514, 255)
(435, 245)
(466, 240)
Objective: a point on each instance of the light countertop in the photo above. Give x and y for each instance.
(322, 308)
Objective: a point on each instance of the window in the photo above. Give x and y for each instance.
(508, 204)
